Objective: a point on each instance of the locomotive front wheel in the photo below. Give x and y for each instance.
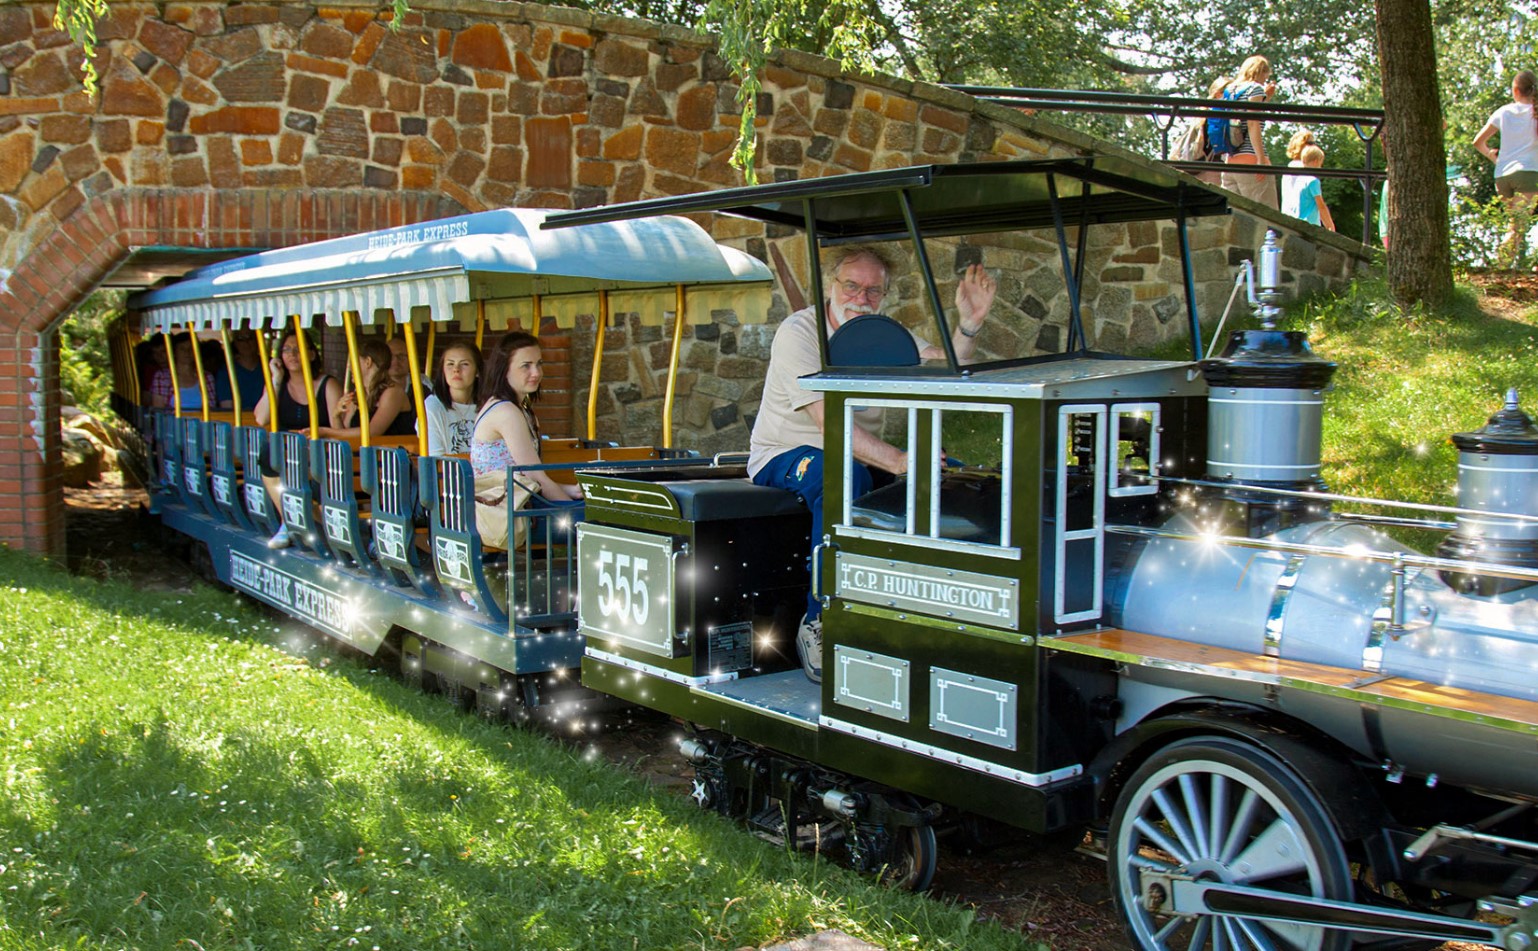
(1223, 811)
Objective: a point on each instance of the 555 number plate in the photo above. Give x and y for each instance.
(627, 587)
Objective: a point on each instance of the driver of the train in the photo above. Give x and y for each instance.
(787, 443)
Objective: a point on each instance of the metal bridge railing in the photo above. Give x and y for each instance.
(1166, 111)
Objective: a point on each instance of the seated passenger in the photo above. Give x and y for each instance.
(161, 392)
(248, 373)
(386, 401)
(152, 358)
(400, 375)
(450, 408)
(787, 450)
(507, 434)
(294, 406)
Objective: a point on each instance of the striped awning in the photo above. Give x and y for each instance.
(440, 271)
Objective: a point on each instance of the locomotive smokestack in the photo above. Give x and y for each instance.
(1266, 405)
(1497, 472)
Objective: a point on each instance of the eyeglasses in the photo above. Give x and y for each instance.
(853, 289)
(289, 349)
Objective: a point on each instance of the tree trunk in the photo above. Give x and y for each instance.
(1419, 253)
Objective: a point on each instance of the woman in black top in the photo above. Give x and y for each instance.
(288, 382)
(385, 399)
(294, 406)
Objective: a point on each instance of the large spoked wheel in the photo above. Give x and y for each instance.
(1223, 811)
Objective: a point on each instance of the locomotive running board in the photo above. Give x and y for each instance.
(1168, 894)
(1387, 691)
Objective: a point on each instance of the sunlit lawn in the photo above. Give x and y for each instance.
(1407, 383)
(173, 778)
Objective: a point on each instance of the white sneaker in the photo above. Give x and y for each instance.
(279, 538)
(809, 647)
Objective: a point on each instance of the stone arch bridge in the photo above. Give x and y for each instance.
(223, 127)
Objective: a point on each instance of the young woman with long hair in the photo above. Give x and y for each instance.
(507, 434)
(384, 398)
(451, 406)
(288, 383)
(1252, 84)
(293, 404)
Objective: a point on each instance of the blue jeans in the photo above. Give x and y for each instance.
(799, 470)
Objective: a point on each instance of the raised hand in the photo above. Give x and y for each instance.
(974, 297)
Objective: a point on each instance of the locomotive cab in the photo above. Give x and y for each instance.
(940, 587)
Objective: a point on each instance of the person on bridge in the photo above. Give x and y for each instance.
(1301, 196)
(1253, 84)
(1516, 161)
(787, 441)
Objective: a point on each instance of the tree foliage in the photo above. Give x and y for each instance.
(78, 19)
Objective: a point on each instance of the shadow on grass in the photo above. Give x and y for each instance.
(462, 834)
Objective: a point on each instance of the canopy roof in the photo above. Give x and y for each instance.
(438, 269)
(946, 199)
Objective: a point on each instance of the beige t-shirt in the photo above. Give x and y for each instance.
(783, 423)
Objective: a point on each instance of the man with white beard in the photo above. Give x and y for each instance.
(787, 444)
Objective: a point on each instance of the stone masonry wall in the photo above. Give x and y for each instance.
(243, 125)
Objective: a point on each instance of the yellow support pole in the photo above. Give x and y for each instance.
(197, 361)
(133, 368)
(480, 323)
(427, 361)
(359, 386)
(678, 343)
(309, 378)
(229, 365)
(592, 386)
(416, 384)
(272, 396)
(176, 390)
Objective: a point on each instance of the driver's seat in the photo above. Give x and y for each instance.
(872, 340)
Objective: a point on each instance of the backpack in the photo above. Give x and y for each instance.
(1225, 135)
(1192, 145)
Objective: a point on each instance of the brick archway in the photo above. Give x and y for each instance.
(73, 258)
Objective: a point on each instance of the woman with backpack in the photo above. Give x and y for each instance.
(1253, 84)
(1194, 145)
(1516, 161)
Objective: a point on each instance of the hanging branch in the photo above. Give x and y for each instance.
(749, 30)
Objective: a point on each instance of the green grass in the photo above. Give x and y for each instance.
(173, 778)
(1407, 382)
